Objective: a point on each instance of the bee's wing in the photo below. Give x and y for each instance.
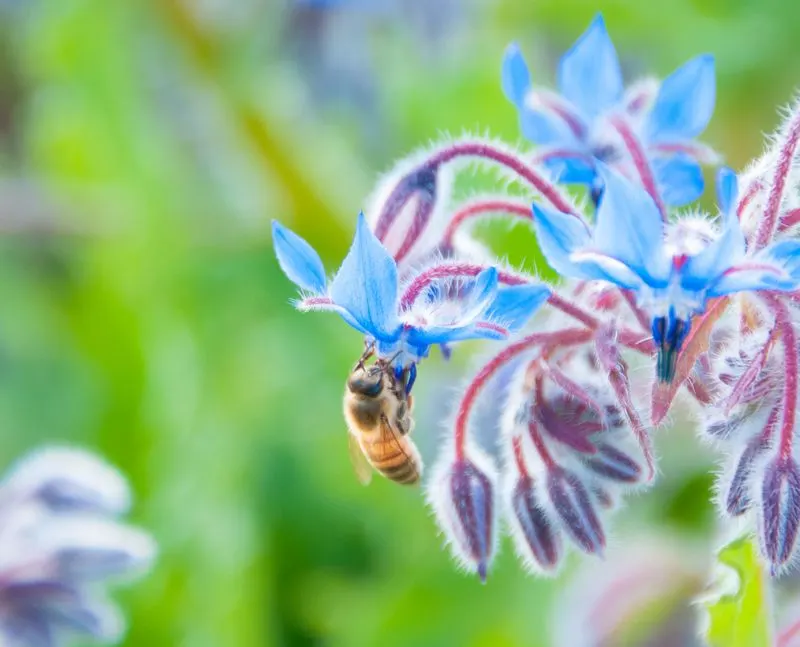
(361, 465)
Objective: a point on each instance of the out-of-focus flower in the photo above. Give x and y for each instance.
(577, 123)
(640, 595)
(403, 324)
(673, 269)
(60, 543)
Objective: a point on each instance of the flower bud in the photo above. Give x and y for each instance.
(612, 463)
(66, 479)
(537, 540)
(780, 510)
(404, 206)
(737, 500)
(462, 496)
(573, 505)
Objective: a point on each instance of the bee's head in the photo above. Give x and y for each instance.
(367, 382)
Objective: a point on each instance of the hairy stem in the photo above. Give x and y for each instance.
(753, 189)
(519, 456)
(789, 219)
(783, 323)
(783, 165)
(506, 159)
(641, 317)
(458, 270)
(552, 340)
(481, 207)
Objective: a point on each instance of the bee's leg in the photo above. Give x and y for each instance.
(369, 351)
(403, 421)
(411, 377)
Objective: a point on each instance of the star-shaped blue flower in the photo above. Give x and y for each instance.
(366, 293)
(673, 269)
(574, 124)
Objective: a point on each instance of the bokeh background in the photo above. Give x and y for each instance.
(145, 145)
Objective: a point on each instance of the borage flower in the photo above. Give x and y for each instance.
(589, 119)
(439, 304)
(675, 268)
(62, 544)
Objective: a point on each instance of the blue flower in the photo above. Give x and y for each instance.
(674, 269)
(575, 126)
(367, 294)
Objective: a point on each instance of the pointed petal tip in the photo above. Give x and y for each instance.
(298, 260)
(727, 190)
(515, 76)
(707, 59)
(482, 571)
(598, 22)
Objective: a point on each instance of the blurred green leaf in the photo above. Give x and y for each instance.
(739, 610)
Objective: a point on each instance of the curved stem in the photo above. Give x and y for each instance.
(748, 196)
(562, 338)
(785, 637)
(640, 163)
(418, 224)
(541, 447)
(482, 207)
(555, 104)
(496, 155)
(519, 457)
(783, 323)
(451, 271)
(641, 317)
(769, 222)
(456, 270)
(789, 219)
(574, 311)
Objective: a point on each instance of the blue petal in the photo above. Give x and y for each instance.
(544, 128)
(571, 169)
(786, 254)
(753, 276)
(685, 101)
(515, 76)
(514, 305)
(727, 191)
(481, 295)
(565, 242)
(366, 284)
(706, 267)
(422, 338)
(589, 74)
(304, 305)
(559, 235)
(774, 268)
(629, 229)
(679, 179)
(298, 260)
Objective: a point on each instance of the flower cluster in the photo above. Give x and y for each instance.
(707, 304)
(61, 542)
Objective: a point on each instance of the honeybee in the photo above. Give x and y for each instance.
(378, 415)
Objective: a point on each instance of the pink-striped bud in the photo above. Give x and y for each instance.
(462, 495)
(536, 537)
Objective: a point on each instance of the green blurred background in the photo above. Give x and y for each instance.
(145, 145)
